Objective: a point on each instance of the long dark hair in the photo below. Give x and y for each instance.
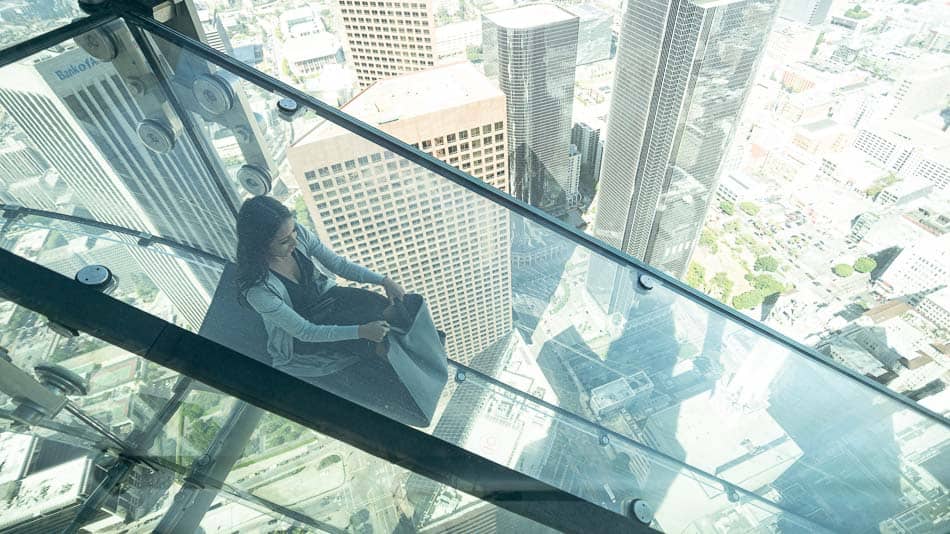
(257, 224)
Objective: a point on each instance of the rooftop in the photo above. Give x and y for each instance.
(311, 46)
(907, 187)
(415, 94)
(941, 298)
(530, 16)
(588, 11)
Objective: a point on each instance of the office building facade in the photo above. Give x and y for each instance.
(683, 72)
(595, 38)
(385, 39)
(78, 112)
(394, 217)
(588, 141)
(531, 51)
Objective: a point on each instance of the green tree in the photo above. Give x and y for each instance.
(865, 264)
(766, 284)
(766, 263)
(473, 53)
(442, 16)
(731, 226)
(301, 213)
(329, 460)
(747, 300)
(727, 207)
(722, 281)
(192, 411)
(709, 240)
(696, 276)
(751, 208)
(843, 270)
(202, 433)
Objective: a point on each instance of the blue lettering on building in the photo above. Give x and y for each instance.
(76, 68)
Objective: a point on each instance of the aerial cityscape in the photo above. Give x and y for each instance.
(790, 160)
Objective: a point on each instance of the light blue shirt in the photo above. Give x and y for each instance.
(283, 324)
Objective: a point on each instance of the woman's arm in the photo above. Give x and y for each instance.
(274, 310)
(338, 264)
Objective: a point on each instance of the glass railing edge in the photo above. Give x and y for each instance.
(12, 212)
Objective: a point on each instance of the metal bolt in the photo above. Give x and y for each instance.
(242, 134)
(136, 86)
(647, 282)
(98, 277)
(641, 511)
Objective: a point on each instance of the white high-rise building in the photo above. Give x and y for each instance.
(924, 85)
(920, 269)
(78, 113)
(386, 39)
(433, 237)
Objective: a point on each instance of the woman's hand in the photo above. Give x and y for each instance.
(374, 331)
(393, 290)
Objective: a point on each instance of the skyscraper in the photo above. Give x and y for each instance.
(683, 72)
(807, 12)
(532, 50)
(81, 116)
(433, 237)
(386, 39)
(588, 141)
(594, 41)
(24, 174)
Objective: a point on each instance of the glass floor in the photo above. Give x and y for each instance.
(570, 365)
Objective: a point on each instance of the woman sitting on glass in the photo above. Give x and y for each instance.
(331, 336)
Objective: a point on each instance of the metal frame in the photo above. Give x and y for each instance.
(491, 381)
(62, 300)
(212, 167)
(13, 212)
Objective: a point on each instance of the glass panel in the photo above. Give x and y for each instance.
(289, 477)
(25, 20)
(88, 130)
(640, 358)
(152, 277)
(551, 320)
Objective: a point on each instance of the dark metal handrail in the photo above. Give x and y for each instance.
(67, 302)
(490, 381)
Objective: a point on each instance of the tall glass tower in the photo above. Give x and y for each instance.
(532, 51)
(684, 69)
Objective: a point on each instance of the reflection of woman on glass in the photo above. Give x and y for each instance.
(332, 336)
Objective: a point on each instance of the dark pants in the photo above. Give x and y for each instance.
(345, 306)
(371, 382)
